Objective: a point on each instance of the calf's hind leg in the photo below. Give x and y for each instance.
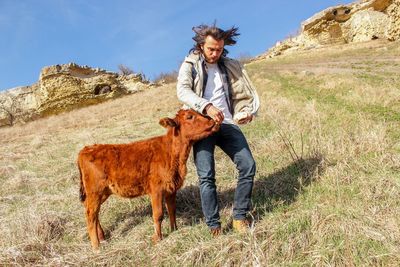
(92, 204)
(100, 232)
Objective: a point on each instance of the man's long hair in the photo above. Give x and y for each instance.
(202, 31)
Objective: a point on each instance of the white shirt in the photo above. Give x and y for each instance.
(214, 91)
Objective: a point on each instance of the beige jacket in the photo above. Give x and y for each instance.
(192, 79)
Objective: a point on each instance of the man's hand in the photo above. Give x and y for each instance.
(246, 119)
(214, 113)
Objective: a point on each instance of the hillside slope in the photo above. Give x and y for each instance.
(327, 189)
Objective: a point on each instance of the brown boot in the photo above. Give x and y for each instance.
(215, 231)
(241, 226)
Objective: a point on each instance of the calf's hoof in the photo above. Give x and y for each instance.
(155, 239)
(96, 250)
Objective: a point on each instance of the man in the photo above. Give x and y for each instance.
(217, 86)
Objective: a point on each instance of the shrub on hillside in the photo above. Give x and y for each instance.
(166, 77)
(124, 70)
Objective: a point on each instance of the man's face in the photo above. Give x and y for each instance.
(212, 49)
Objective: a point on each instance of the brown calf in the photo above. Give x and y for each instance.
(156, 166)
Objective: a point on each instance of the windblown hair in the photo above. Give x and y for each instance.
(202, 31)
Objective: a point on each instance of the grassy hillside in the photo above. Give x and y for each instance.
(327, 190)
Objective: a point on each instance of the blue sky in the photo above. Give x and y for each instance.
(147, 36)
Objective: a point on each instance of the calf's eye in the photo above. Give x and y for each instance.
(189, 117)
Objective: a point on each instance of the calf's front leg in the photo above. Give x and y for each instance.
(156, 205)
(170, 202)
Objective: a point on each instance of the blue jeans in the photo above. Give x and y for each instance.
(232, 141)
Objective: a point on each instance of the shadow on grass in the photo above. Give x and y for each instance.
(269, 192)
(284, 185)
(125, 222)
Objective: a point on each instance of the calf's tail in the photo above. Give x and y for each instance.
(82, 193)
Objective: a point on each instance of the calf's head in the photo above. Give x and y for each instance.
(190, 125)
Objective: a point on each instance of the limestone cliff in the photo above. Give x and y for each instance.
(17, 105)
(361, 21)
(65, 87)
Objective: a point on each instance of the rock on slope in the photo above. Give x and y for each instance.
(64, 87)
(364, 20)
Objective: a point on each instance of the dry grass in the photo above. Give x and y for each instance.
(327, 190)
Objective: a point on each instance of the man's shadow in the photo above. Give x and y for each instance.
(269, 192)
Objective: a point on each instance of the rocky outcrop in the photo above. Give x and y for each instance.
(17, 105)
(65, 87)
(361, 21)
(366, 25)
(393, 12)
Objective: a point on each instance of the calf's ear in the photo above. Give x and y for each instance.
(167, 122)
